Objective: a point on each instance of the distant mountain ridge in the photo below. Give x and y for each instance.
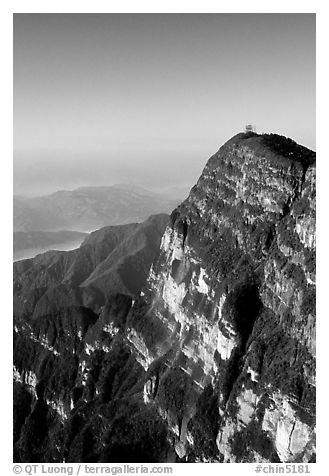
(88, 208)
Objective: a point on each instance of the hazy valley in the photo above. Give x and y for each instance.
(61, 220)
(88, 208)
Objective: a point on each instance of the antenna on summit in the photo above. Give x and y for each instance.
(250, 128)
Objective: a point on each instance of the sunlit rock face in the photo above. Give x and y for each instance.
(214, 359)
(228, 315)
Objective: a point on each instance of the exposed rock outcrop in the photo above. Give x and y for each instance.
(232, 301)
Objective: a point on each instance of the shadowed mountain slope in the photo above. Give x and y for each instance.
(114, 259)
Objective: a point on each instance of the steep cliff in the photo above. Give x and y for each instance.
(215, 360)
(234, 295)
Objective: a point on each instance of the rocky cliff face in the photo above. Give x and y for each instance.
(215, 359)
(232, 302)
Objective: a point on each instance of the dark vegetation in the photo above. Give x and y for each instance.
(224, 253)
(136, 436)
(289, 238)
(282, 359)
(301, 207)
(309, 301)
(285, 147)
(116, 310)
(310, 260)
(204, 425)
(176, 393)
(22, 406)
(294, 273)
(252, 438)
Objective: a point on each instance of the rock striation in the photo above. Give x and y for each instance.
(214, 359)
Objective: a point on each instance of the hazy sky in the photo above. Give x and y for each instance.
(147, 98)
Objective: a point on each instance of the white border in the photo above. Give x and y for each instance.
(170, 6)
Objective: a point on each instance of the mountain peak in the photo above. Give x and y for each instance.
(274, 146)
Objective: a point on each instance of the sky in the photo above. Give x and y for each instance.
(148, 98)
